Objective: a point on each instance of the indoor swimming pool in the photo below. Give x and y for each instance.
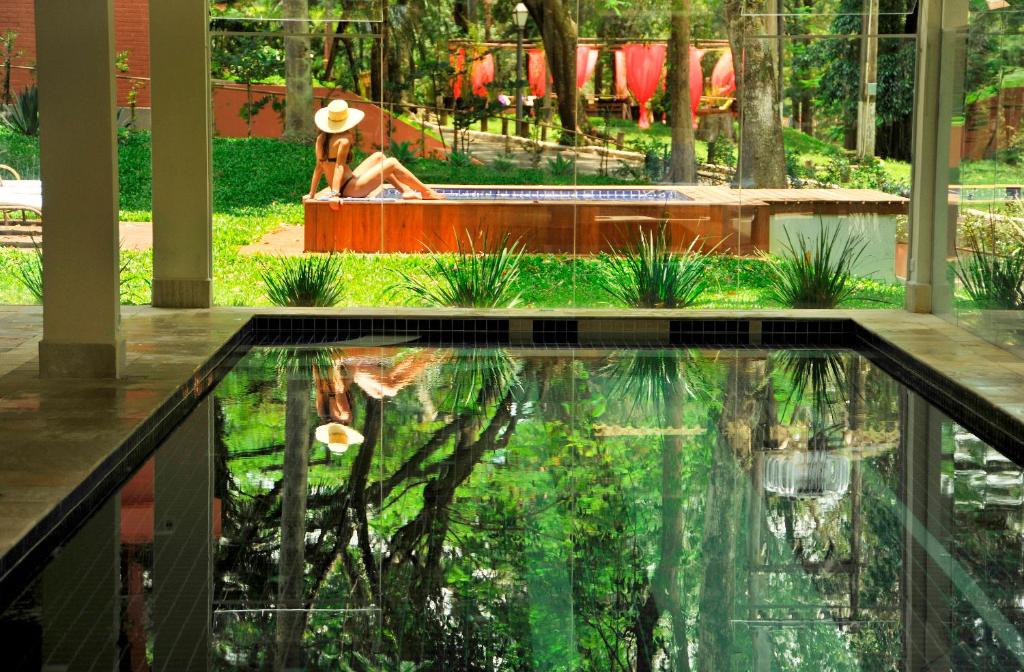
(376, 505)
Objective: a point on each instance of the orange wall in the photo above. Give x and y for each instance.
(131, 33)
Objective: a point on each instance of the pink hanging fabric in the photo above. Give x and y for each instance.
(696, 82)
(723, 77)
(643, 70)
(621, 90)
(586, 61)
(482, 74)
(537, 72)
(457, 59)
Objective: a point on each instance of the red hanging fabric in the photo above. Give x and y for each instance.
(537, 72)
(696, 82)
(643, 70)
(586, 61)
(723, 77)
(621, 90)
(482, 74)
(457, 59)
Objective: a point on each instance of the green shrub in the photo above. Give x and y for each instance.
(474, 279)
(649, 274)
(23, 115)
(722, 152)
(501, 164)
(991, 279)
(28, 271)
(815, 275)
(460, 159)
(404, 152)
(311, 280)
(561, 166)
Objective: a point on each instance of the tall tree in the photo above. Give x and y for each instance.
(558, 31)
(298, 73)
(762, 161)
(683, 166)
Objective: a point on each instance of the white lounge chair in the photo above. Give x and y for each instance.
(19, 196)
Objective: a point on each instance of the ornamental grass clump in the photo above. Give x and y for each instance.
(650, 274)
(28, 271)
(991, 279)
(815, 274)
(315, 280)
(483, 278)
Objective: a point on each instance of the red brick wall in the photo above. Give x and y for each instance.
(131, 33)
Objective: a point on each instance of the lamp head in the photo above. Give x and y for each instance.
(520, 14)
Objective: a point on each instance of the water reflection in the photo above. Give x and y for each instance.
(392, 508)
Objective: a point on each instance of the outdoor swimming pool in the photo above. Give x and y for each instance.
(547, 194)
(551, 508)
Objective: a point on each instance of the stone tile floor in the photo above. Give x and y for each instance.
(53, 433)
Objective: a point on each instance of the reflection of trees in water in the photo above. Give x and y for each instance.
(499, 530)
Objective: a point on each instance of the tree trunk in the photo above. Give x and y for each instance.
(298, 74)
(558, 31)
(762, 162)
(683, 162)
(288, 652)
(721, 521)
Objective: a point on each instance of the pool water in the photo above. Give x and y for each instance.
(380, 507)
(548, 194)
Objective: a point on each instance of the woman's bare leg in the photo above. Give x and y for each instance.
(371, 174)
(393, 169)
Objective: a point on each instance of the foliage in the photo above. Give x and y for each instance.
(7, 40)
(477, 279)
(991, 279)
(722, 152)
(311, 280)
(837, 90)
(502, 164)
(460, 160)
(650, 274)
(29, 272)
(23, 114)
(561, 166)
(404, 152)
(816, 274)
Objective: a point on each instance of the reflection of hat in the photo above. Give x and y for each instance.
(337, 117)
(338, 437)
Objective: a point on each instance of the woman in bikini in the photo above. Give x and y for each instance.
(334, 152)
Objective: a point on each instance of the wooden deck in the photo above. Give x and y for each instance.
(737, 221)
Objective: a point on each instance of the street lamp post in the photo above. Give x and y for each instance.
(519, 15)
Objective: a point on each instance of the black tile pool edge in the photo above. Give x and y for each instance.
(990, 423)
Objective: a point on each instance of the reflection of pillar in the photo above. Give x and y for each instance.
(134, 626)
(926, 562)
(80, 597)
(182, 549)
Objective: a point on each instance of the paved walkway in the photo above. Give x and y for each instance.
(133, 235)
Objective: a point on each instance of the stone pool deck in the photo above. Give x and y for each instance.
(54, 433)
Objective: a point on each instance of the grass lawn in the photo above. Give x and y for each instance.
(249, 200)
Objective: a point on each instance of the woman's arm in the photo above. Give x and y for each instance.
(319, 170)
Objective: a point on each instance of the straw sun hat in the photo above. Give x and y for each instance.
(338, 437)
(337, 117)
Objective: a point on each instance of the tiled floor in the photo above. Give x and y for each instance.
(55, 432)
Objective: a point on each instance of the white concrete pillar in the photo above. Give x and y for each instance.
(78, 166)
(941, 31)
(81, 598)
(183, 546)
(181, 123)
